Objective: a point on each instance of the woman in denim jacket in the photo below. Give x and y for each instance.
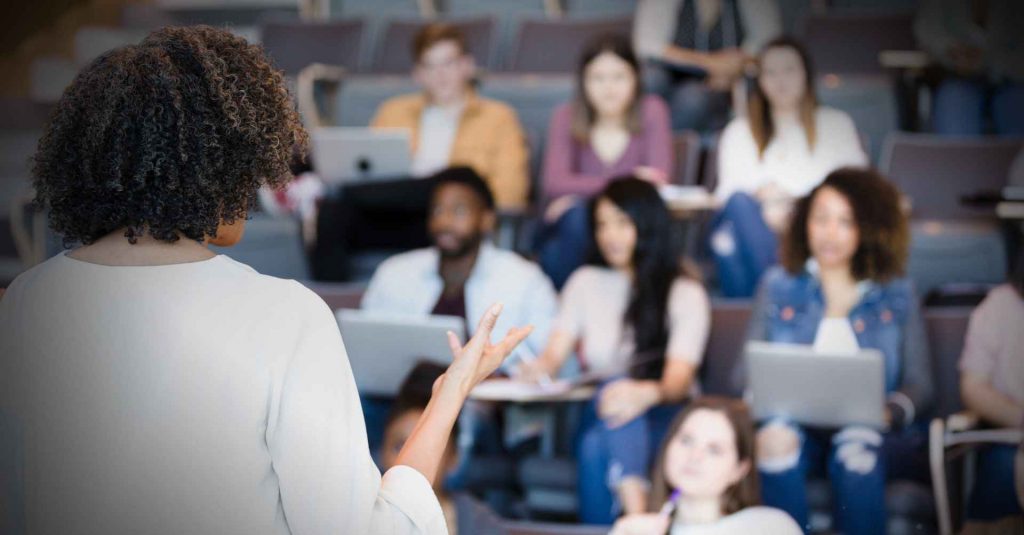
(841, 287)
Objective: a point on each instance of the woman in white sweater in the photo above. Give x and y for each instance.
(705, 481)
(782, 149)
(156, 387)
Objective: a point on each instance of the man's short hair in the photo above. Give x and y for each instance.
(465, 176)
(436, 33)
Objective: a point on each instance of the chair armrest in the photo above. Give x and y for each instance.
(963, 428)
(308, 78)
(962, 421)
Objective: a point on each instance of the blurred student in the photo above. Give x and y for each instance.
(992, 385)
(158, 387)
(978, 45)
(450, 125)
(611, 128)
(695, 50)
(783, 148)
(705, 478)
(841, 286)
(413, 397)
(453, 126)
(638, 320)
(462, 273)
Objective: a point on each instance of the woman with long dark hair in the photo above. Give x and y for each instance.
(785, 146)
(641, 323)
(610, 128)
(705, 478)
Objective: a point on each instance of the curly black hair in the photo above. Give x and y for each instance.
(884, 233)
(170, 138)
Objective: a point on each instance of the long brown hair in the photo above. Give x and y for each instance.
(583, 113)
(882, 225)
(743, 494)
(759, 113)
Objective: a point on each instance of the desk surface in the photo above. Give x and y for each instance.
(513, 391)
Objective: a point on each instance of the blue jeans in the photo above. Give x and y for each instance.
(994, 495)
(692, 104)
(606, 455)
(742, 244)
(857, 464)
(563, 246)
(962, 104)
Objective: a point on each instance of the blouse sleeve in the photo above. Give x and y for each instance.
(981, 343)
(846, 142)
(559, 177)
(317, 442)
(737, 161)
(570, 311)
(689, 313)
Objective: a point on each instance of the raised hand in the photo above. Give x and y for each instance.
(478, 359)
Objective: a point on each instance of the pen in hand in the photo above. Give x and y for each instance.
(530, 360)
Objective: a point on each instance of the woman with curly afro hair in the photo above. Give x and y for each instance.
(152, 386)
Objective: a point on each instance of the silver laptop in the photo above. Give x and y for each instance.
(346, 155)
(383, 348)
(813, 388)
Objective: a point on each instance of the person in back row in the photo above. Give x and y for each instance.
(640, 323)
(978, 47)
(611, 128)
(784, 147)
(450, 125)
(695, 50)
(841, 288)
(992, 385)
(453, 126)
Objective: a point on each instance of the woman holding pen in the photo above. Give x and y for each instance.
(636, 318)
(705, 480)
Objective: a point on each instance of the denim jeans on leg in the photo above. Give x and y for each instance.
(1008, 109)
(564, 246)
(994, 494)
(606, 455)
(959, 108)
(856, 470)
(743, 246)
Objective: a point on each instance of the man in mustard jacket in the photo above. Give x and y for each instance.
(453, 126)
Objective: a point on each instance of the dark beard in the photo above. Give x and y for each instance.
(466, 248)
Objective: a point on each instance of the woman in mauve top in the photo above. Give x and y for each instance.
(609, 129)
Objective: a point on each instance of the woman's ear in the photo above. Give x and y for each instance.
(228, 234)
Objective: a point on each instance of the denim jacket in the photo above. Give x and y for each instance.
(788, 308)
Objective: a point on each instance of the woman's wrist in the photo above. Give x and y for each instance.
(452, 390)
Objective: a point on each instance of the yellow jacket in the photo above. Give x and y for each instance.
(489, 139)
